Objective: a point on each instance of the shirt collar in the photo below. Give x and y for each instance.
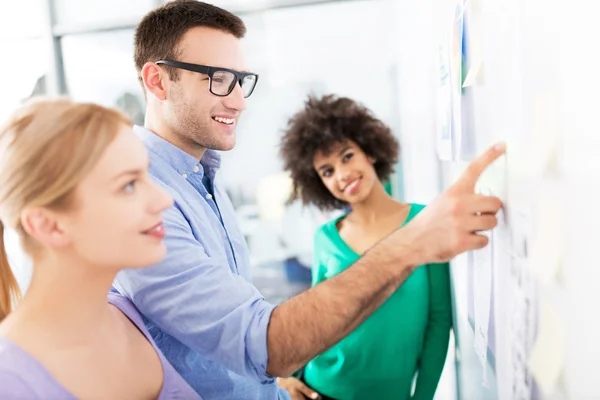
(181, 161)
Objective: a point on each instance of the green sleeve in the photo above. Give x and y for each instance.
(437, 335)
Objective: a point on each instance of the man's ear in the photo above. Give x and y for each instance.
(154, 79)
(45, 227)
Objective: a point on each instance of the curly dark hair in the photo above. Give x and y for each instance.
(320, 125)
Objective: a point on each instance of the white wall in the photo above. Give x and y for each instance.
(580, 85)
(534, 49)
(414, 33)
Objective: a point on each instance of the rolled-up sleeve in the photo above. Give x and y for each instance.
(197, 300)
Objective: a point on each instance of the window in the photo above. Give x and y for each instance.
(78, 14)
(25, 72)
(23, 19)
(99, 68)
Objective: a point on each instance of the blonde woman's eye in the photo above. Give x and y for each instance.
(130, 187)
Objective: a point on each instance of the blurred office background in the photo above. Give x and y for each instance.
(379, 52)
(383, 53)
(362, 49)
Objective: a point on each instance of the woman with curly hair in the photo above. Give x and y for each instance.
(338, 155)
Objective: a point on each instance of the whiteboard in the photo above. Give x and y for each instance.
(501, 331)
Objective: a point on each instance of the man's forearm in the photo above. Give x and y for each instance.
(310, 323)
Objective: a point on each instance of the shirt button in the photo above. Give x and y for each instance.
(208, 196)
(184, 175)
(196, 168)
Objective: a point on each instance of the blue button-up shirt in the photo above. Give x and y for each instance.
(199, 304)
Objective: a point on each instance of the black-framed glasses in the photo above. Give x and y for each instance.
(222, 80)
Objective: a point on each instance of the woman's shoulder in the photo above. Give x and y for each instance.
(330, 227)
(123, 303)
(23, 377)
(127, 307)
(328, 233)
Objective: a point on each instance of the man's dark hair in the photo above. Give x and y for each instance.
(158, 34)
(322, 124)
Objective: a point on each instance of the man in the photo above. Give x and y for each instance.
(208, 319)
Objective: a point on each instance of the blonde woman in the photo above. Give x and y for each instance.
(75, 187)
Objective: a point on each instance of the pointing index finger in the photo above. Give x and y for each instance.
(469, 178)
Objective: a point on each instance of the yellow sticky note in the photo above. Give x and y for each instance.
(535, 156)
(547, 245)
(516, 157)
(547, 356)
(544, 136)
(473, 73)
(475, 15)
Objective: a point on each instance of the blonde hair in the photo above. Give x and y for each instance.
(46, 148)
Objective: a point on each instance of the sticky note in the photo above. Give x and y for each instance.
(535, 155)
(474, 37)
(547, 355)
(474, 72)
(546, 254)
(544, 136)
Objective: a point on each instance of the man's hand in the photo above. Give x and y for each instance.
(297, 389)
(450, 224)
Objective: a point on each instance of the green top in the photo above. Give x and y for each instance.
(409, 333)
